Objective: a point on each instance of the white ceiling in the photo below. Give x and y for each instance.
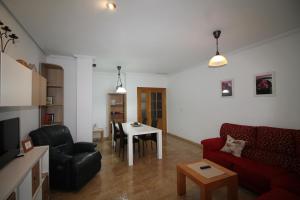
(150, 35)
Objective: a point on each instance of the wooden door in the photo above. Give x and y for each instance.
(151, 105)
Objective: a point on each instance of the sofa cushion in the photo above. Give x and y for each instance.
(278, 194)
(276, 140)
(233, 146)
(271, 158)
(296, 168)
(297, 140)
(290, 182)
(256, 174)
(239, 132)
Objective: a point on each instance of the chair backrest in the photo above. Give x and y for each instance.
(57, 136)
(144, 121)
(115, 129)
(154, 123)
(122, 133)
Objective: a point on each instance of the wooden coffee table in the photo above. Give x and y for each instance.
(228, 179)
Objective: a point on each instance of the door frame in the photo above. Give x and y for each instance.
(164, 104)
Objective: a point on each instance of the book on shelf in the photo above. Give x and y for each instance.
(49, 118)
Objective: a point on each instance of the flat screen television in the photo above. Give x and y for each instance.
(9, 140)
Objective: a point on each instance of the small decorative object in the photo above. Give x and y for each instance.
(136, 124)
(27, 145)
(227, 88)
(265, 84)
(218, 60)
(23, 62)
(32, 67)
(113, 102)
(5, 37)
(49, 100)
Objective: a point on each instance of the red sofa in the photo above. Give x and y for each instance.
(270, 162)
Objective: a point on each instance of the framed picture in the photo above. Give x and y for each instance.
(27, 145)
(227, 88)
(49, 100)
(265, 84)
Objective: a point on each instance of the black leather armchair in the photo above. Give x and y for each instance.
(71, 164)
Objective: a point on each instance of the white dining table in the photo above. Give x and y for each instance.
(142, 130)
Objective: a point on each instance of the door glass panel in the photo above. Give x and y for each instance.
(144, 107)
(159, 105)
(153, 106)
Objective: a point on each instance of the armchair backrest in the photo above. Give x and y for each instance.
(57, 136)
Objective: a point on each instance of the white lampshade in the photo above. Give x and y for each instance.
(121, 90)
(217, 61)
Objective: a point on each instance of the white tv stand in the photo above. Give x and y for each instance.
(26, 178)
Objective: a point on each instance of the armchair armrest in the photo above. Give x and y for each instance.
(213, 144)
(84, 147)
(59, 157)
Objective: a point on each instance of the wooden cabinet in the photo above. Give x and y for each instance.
(53, 111)
(117, 108)
(20, 86)
(42, 90)
(26, 177)
(45, 187)
(15, 83)
(38, 89)
(35, 173)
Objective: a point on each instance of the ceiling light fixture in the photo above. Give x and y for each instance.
(119, 87)
(111, 6)
(218, 60)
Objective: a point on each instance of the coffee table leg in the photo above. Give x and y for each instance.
(232, 189)
(204, 194)
(181, 183)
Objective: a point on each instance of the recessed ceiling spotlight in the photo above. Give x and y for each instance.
(111, 6)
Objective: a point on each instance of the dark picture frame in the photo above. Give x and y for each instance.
(265, 84)
(227, 88)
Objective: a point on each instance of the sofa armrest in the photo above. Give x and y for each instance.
(84, 147)
(213, 144)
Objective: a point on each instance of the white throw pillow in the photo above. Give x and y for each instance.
(233, 146)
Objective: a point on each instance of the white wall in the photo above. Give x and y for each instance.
(84, 98)
(70, 97)
(196, 110)
(105, 82)
(25, 49)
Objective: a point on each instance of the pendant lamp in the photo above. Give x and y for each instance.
(119, 88)
(218, 60)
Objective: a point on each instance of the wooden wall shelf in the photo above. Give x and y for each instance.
(117, 108)
(52, 114)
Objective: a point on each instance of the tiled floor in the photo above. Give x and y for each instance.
(148, 179)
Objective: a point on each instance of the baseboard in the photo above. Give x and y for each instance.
(184, 139)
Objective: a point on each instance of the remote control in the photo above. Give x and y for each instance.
(20, 155)
(205, 167)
